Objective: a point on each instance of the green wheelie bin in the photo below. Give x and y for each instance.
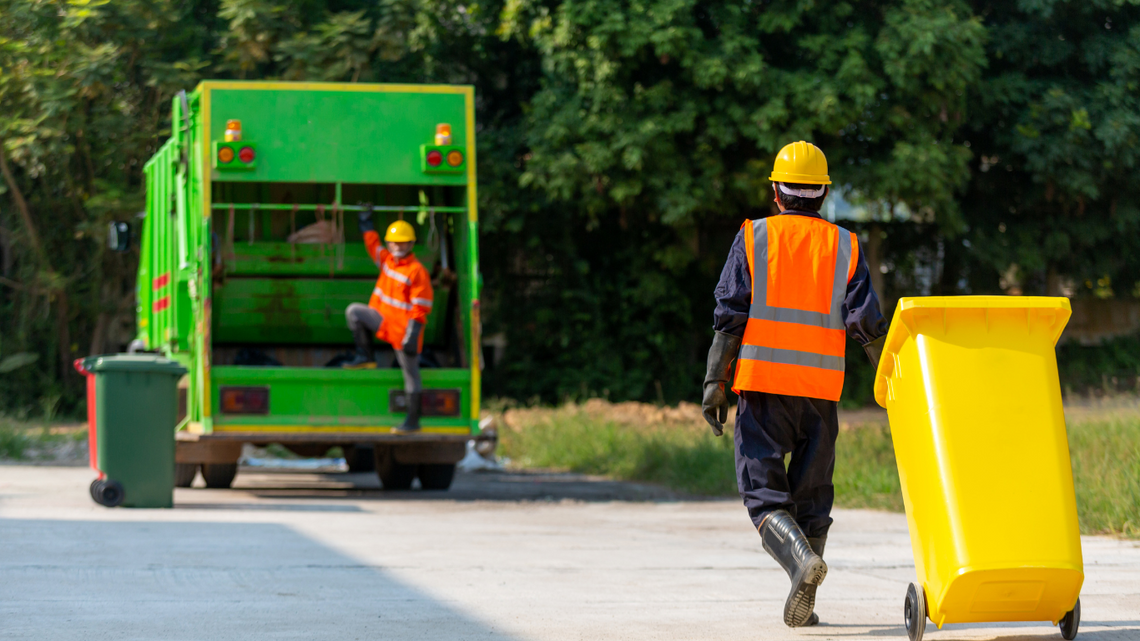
(132, 410)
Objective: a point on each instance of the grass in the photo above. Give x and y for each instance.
(674, 447)
(24, 441)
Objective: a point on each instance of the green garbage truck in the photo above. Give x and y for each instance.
(251, 251)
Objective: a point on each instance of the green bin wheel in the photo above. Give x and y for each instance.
(184, 474)
(393, 475)
(219, 475)
(436, 476)
(914, 612)
(1070, 622)
(107, 492)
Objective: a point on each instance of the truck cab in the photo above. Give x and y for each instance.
(251, 252)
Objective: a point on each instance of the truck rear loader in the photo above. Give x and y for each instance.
(251, 251)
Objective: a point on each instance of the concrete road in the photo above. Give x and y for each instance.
(509, 556)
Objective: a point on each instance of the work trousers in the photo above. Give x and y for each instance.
(772, 426)
(358, 314)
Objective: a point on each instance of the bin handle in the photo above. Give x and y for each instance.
(79, 367)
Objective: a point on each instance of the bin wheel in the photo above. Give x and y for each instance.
(184, 474)
(914, 612)
(107, 492)
(1070, 622)
(219, 475)
(436, 476)
(393, 475)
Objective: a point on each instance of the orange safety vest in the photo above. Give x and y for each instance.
(795, 338)
(403, 292)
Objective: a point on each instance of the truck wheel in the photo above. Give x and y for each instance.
(360, 458)
(436, 476)
(107, 492)
(219, 475)
(393, 475)
(184, 474)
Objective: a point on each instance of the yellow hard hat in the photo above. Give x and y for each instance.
(800, 162)
(400, 231)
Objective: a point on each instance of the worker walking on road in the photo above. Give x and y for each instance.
(793, 289)
(397, 310)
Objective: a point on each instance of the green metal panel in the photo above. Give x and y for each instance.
(338, 136)
(295, 310)
(317, 396)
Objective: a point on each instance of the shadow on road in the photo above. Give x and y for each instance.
(66, 579)
(506, 486)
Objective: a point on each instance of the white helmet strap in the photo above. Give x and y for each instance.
(803, 193)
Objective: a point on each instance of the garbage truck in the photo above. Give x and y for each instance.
(250, 251)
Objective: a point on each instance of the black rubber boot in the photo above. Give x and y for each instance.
(412, 420)
(784, 540)
(363, 341)
(817, 544)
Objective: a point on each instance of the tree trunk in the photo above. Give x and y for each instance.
(874, 251)
(22, 208)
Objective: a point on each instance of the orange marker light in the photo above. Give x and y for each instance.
(233, 130)
(225, 155)
(442, 134)
(455, 157)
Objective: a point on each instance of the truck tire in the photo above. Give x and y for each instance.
(184, 474)
(436, 476)
(219, 475)
(393, 475)
(360, 458)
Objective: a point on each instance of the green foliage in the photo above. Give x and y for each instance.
(620, 147)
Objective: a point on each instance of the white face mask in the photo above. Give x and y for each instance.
(399, 252)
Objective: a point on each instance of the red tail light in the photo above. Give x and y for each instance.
(435, 402)
(246, 154)
(244, 400)
(434, 158)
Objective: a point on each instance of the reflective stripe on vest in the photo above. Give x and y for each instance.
(795, 338)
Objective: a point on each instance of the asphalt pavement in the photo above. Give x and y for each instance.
(501, 556)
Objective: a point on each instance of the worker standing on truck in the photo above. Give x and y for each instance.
(397, 311)
(793, 289)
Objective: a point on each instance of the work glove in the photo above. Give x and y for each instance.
(714, 403)
(411, 343)
(365, 218)
(874, 351)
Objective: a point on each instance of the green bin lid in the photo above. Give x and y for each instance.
(134, 363)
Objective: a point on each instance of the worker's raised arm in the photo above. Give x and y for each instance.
(376, 250)
(861, 312)
(422, 296)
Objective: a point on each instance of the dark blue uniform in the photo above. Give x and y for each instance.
(770, 426)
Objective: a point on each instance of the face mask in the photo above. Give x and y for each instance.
(399, 252)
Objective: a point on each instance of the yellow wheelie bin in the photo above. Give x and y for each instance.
(971, 390)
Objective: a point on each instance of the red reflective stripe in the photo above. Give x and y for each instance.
(801, 263)
(793, 336)
(854, 256)
(791, 380)
(162, 303)
(162, 281)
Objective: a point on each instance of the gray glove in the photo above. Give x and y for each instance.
(874, 351)
(411, 343)
(365, 218)
(714, 403)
